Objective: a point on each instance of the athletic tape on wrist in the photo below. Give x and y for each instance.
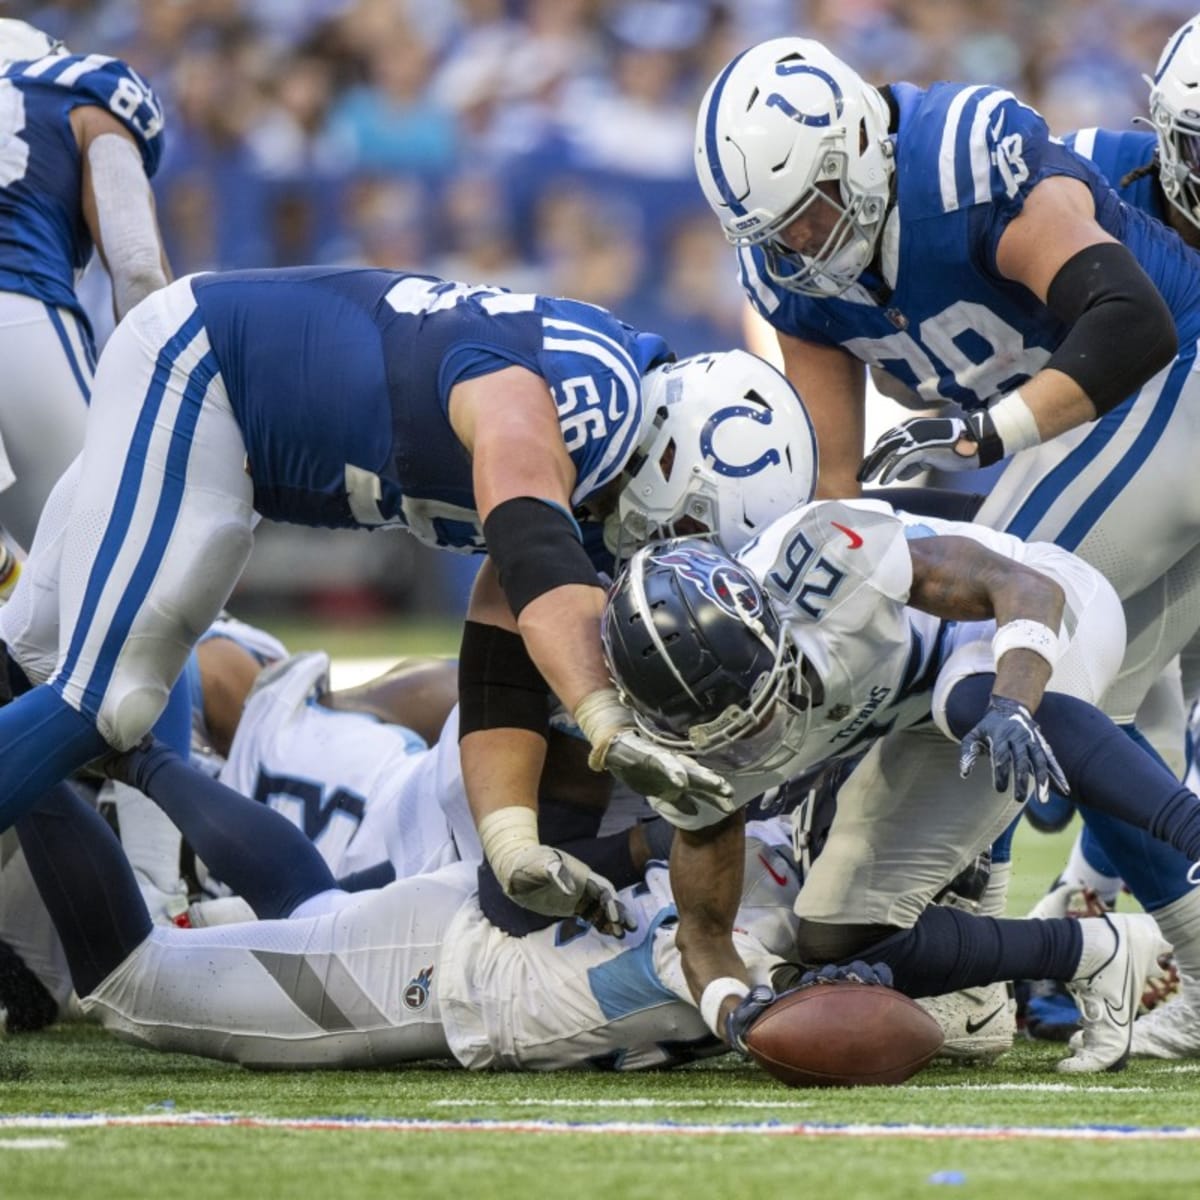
(503, 834)
(715, 994)
(1015, 424)
(1027, 635)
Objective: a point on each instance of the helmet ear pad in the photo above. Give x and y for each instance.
(684, 651)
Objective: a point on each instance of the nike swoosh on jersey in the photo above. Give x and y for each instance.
(855, 538)
(775, 875)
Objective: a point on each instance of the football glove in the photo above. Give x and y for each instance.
(856, 972)
(921, 444)
(558, 884)
(749, 1009)
(1017, 748)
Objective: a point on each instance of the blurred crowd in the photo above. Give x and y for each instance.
(540, 144)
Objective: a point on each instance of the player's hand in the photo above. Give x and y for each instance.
(647, 768)
(750, 1007)
(922, 443)
(557, 884)
(1017, 748)
(879, 974)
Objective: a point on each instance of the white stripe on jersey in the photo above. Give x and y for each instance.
(946, 154)
(767, 300)
(92, 62)
(609, 352)
(981, 159)
(41, 66)
(1085, 142)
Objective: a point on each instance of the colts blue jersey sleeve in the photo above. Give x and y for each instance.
(1119, 154)
(939, 316)
(341, 380)
(43, 238)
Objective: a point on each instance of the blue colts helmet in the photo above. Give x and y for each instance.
(700, 657)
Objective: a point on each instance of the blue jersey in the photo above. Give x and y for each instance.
(44, 240)
(1116, 154)
(942, 319)
(340, 381)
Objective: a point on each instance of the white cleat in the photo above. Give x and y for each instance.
(979, 1022)
(1172, 1030)
(1108, 998)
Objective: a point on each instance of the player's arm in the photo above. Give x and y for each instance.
(959, 579)
(118, 207)
(832, 384)
(706, 880)
(1120, 334)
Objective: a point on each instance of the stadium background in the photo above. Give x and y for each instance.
(544, 145)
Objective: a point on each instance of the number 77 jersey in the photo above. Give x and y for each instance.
(44, 241)
(935, 312)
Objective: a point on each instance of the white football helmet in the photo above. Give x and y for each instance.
(781, 118)
(1175, 114)
(20, 42)
(728, 448)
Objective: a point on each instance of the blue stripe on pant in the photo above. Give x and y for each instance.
(69, 351)
(127, 492)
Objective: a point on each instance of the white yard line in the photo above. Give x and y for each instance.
(1091, 1133)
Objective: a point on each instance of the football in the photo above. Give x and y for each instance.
(844, 1034)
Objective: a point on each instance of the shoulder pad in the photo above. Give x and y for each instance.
(112, 85)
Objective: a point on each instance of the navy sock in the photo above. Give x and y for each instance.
(86, 884)
(174, 727)
(42, 740)
(947, 950)
(260, 854)
(369, 878)
(1107, 771)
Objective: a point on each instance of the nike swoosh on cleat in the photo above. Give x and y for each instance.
(976, 1026)
(855, 538)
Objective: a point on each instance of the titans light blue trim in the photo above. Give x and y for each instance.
(628, 983)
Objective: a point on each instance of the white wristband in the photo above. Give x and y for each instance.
(714, 995)
(503, 834)
(1015, 424)
(1027, 635)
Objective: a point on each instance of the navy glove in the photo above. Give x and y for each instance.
(917, 445)
(1011, 737)
(749, 1009)
(855, 972)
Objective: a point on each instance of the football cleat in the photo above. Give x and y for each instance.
(979, 1022)
(1108, 998)
(1170, 1030)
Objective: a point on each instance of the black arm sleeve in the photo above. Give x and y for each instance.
(499, 686)
(1121, 330)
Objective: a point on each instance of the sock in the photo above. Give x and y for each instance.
(1099, 942)
(1179, 922)
(42, 740)
(1088, 866)
(994, 900)
(1154, 872)
(86, 884)
(260, 854)
(174, 727)
(1108, 772)
(948, 950)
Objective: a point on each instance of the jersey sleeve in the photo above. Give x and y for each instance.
(116, 87)
(833, 557)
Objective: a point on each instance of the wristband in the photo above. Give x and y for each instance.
(1027, 635)
(715, 994)
(503, 834)
(1015, 424)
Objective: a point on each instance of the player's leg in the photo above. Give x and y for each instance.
(158, 533)
(44, 390)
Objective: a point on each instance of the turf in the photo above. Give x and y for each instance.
(81, 1070)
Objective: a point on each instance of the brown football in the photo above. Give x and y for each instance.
(844, 1034)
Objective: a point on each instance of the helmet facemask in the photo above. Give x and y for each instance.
(1179, 158)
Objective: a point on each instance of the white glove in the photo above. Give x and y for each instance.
(674, 780)
(546, 880)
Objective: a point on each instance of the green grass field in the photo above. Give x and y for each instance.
(1032, 1132)
(607, 1135)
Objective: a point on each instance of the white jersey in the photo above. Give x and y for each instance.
(839, 575)
(412, 971)
(361, 789)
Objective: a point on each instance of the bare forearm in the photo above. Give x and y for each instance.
(562, 633)
(706, 878)
(501, 767)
